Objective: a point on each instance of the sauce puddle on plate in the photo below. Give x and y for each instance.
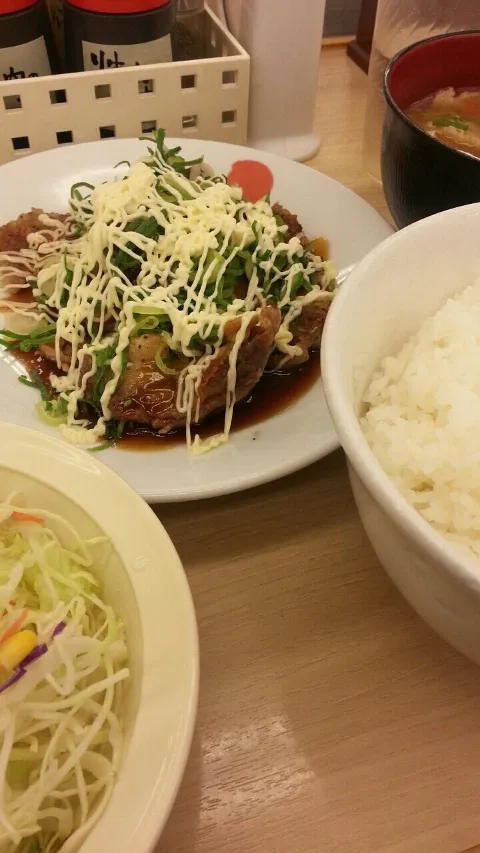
(274, 393)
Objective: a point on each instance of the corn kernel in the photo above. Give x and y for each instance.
(16, 648)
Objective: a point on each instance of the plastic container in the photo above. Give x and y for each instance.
(284, 46)
(102, 34)
(26, 46)
(204, 99)
(398, 24)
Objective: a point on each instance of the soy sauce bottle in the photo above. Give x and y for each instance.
(102, 34)
(26, 45)
(190, 29)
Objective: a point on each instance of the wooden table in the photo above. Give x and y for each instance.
(331, 719)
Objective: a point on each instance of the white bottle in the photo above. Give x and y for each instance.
(283, 38)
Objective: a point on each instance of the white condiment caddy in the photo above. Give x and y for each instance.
(205, 98)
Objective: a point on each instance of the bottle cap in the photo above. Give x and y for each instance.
(115, 7)
(8, 6)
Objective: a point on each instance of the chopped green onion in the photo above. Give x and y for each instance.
(162, 367)
(147, 227)
(68, 272)
(42, 335)
(45, 393)
(297, 282)
(214, 260)
(103, 358)
(182, 190)
(114, 429)
(99, 447)
(148, 324)
(65, 295)
(25, 381)
(249, 267)
(79, 230)
(33, 846)
(50, 417)
(160, 139)
(451, 121)
(145, 309)
(75, 190)
(171, 156)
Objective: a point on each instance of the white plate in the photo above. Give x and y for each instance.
(144, 581)
(286, 442)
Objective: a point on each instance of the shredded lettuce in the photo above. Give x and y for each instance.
(60, 728)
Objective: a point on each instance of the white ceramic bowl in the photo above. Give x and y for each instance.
(144, 581)
(383, 302)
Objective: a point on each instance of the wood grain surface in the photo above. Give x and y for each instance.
(331, 719)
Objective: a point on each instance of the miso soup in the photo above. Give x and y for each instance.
(451, 117)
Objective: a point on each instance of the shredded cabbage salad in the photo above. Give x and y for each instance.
(62, 658)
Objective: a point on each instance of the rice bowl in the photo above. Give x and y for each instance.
(383, 304)
(423, 419)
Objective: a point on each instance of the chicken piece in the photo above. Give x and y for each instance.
(146, 396)
(150, 395)
(308, 327)
(48, 352)
(13, 235)
(13, 238)
(307, 332)
(293, 226)
(252, 359)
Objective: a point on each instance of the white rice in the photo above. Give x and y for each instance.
(423, 421)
